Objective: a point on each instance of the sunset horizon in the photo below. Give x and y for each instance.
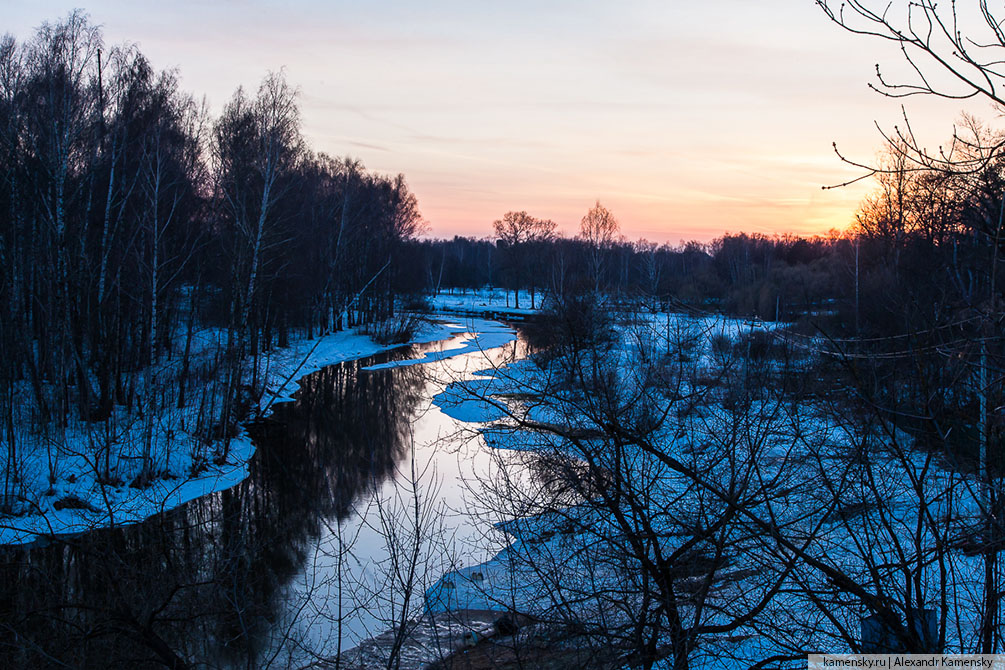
(686, 122)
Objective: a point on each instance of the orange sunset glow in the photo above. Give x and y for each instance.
(686, 119)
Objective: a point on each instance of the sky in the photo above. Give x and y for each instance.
(686, 119)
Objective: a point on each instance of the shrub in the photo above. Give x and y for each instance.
(761, 346)
(416, 303)
(398, 329)
(576, 322)
(721, 344)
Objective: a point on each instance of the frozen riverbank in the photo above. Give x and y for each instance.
(76, 495)
(652, 429)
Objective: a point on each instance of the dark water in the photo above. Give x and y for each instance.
(286, 567)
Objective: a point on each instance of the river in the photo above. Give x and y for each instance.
(361, 492)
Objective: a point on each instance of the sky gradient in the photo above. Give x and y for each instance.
(685, 119)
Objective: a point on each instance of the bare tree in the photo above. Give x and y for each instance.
(516, 231)
(950, 50)
(256, 143)
(599, 230)
(953, 51)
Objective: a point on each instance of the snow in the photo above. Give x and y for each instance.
(803, 443)
(478, 301)
(479, 400)
(87, 503)
(482, 336)
(470, 402)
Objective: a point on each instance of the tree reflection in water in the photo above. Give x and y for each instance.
(208, 580)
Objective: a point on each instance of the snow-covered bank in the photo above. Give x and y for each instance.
(482, 336)
(486, 300)
(79, 498)
(701, 405)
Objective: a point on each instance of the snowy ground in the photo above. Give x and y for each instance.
(429, 640)
(485, 335)
(77, 497)
(478, 301)
(547, 565)
(498, 395)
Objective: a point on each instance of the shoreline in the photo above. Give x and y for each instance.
(89, 505)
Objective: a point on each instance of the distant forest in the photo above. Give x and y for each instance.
(916, 255)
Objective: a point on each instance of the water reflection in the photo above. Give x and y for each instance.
(210, 581)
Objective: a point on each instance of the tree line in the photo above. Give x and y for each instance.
(917, 250)
(130, 219)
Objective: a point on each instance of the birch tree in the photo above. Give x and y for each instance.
(256, 143)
